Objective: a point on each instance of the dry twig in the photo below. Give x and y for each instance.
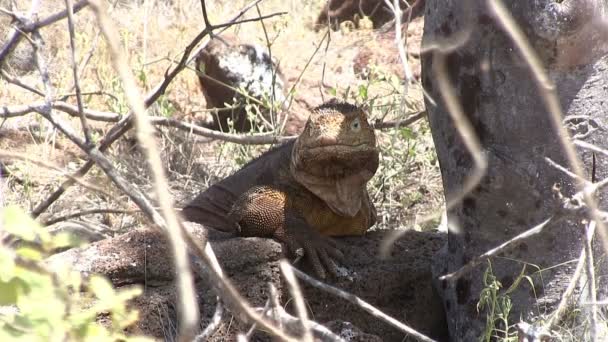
(363, 305)
(83, 120)
(214, 324)
(125, 123)
(298, 298)
(548, 94)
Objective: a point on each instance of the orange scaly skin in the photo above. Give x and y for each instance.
(302, 191)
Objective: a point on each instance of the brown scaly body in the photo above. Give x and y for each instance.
(303, 190)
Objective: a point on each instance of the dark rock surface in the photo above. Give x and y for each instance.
(399, 285)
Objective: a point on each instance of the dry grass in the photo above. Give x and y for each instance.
(406, 187)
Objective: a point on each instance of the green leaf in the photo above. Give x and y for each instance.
(18, 223)
(407, 133)
(65, 239)
(9, 291)
(30, 253)
(363, 92)
(102, 288)
(7, 265)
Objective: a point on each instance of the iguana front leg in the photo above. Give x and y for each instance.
(266, 211)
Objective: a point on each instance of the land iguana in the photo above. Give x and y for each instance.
(303, 191)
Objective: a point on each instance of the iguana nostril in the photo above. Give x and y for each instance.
(328, 140)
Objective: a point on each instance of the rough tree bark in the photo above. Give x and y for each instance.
(500, 97)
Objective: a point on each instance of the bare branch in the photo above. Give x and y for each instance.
(567, 295)
(564, 170)
(234, 301)
(27, 26)
(125, 123)
(275, 312)
(500, 248)
(591, 290)
(17, 82)
(38, 162)
(214, 324)
(400, 123)
(401, 48)
(20, 110)
(289, 96)
(256, 139)
(464, 129)
(83, 119)
(114, 134)
(363, 305)
(87, 212)
(549, 95)
(298, 298)
(591, 147)
(189, 313)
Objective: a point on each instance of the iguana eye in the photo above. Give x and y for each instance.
(355, 125)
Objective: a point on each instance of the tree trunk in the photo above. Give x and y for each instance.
(501, 99)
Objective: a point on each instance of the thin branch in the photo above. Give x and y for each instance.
(189, 313)
(243, 10)
(273, 70)
(289, 95)
(567, 295)
(400, 123)
(20, 110)
(549, 95)
(401, 48)
(234, 301)
(464, 129)
(27, 26)
(245, 337)
(83, 119)
(294, 288)
(255, 139)
(41, 163)
(208, 25)
(125, 123)
(591, 147)
(17, 82)
(591, 287)
(363, 305)
(564, 170)
(277, 313)
(114, 134)
(214, 324)
(500, 248)
(70, 216)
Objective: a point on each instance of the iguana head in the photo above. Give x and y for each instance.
(336, 155)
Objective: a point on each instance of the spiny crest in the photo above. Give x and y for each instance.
(335, 105)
